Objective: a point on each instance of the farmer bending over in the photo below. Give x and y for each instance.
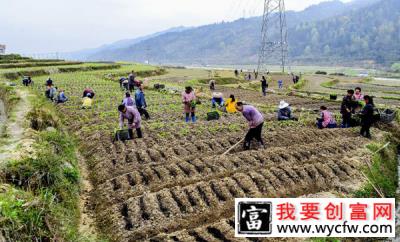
(128, 100)
(88, 90)
(87, 101)
(141, 102)
(326, 120)
(256, 122)
(133, 117)
(217, 100)
(212, 85)
(61, 98)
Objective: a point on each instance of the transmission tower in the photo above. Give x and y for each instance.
(274, 45)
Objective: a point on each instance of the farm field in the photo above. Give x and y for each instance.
(175, 184)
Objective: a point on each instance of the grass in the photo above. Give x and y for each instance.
(222, 80)
(35, 64)
(382, 172)
(390, 98)
(367, 80)
(392, 92)
(14, 74)
(9, 97)
(43, 115)
(39, 193)
(41, 201)
(301, 84)
(330, 84)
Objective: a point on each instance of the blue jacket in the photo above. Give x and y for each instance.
(61, 98)
(140, 99)
(284, 113)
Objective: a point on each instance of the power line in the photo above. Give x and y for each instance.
(273, 34)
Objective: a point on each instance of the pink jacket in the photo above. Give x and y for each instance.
(133, 117)
(358, 97)
(328, 119)
(188, 97)
(253, 116)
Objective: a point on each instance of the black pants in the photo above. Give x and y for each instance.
(254, 133)
(365, 130)
(144, 112)
(138, 132)
(346, 120)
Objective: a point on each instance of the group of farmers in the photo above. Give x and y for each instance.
(355, 105)
(232, 105)
(53, 93)
(132, 109)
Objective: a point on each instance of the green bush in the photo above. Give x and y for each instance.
(22, 215)
(367, 80)
(46, 204)
(35, 64)
(9, 97)
(53, 167)
(222, 80)
(300, 84)
(382, 173)
(396, 67)
(337, 74)
(43, 116)
(330, 84)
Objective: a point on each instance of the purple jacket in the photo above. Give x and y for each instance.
(133, 117)
(252, 115)
(128, 101)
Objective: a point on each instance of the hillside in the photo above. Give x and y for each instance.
(329, 32)
(371, 35)
(125, 43)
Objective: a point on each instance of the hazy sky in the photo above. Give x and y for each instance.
(43, 26)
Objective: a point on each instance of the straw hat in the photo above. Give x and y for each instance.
(283, 104)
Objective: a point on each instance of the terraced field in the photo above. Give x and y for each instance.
(175, 184)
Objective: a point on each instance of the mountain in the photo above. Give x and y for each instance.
(371, 34)
(325, 33)
(85, 54)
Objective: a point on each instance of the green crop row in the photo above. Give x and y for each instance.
(35, 64)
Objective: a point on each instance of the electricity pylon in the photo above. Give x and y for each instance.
(274, 43)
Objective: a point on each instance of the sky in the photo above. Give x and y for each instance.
(49, 26)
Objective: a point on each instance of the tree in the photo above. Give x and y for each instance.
(396, 67)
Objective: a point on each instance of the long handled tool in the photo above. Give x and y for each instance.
(233, 147)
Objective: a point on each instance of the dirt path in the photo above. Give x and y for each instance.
(87, 224)
(14, 138)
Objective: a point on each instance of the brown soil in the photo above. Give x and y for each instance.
(181, 188)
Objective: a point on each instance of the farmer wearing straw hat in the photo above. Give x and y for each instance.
(217, 99)
(285, 112)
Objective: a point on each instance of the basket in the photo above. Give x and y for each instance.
(159, 86)
(387, 115)
(122, 135)
(212, 116)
